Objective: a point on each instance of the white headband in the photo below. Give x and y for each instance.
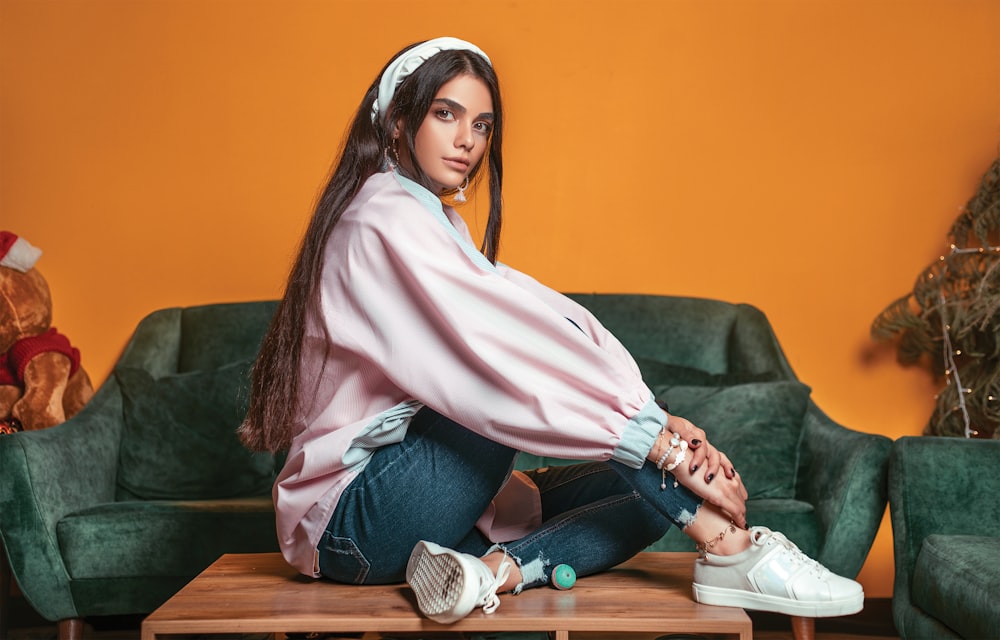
(400, 68)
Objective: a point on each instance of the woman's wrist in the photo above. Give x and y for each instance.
(657, 448)
(667, 456)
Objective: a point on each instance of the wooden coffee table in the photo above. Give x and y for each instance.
(644, 598)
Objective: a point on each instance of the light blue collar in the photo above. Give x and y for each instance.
(433, 204)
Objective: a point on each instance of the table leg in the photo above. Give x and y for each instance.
(803, 628)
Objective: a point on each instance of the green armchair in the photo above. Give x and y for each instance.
(946, 537)
(720, 365)
(114, 510)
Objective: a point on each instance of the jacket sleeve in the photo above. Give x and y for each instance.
(579, 315)
(485, 350)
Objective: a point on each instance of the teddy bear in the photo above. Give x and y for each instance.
(41, 381)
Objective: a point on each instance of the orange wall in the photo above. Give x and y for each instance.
(805, 156)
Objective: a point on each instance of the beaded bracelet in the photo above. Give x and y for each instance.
(663, 459)
(659, 441)
(677, 460)
(674, 441)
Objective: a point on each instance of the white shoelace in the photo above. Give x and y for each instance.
(762, 536)
(490, 599)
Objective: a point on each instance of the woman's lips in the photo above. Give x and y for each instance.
(457, 163)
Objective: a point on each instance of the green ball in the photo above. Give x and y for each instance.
(563, 577)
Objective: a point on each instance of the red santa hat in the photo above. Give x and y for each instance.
(17, 253)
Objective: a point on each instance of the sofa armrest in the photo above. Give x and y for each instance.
(940, 485)
(842, 473)
(937, 485)
(47, 474)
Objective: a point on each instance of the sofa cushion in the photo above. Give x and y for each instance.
(164, 537)
(758, 425)
(179, 440)
(955, 580)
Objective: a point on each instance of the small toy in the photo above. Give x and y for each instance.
(41, 381)
(563, 577)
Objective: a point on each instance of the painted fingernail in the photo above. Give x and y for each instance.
(695, 442)
(694, 468)
(710, 477)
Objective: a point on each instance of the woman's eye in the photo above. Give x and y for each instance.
(444, 114)
(483, 127)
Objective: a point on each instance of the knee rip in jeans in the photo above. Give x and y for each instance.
(685, 517)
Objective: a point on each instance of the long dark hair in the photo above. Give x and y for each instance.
(275, 381)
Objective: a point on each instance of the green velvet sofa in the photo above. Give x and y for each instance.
(114, 510)
(946, 534)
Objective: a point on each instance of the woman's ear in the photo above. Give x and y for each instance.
(397, 128)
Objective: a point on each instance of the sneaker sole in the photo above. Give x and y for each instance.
(438, 578)
(776, 604)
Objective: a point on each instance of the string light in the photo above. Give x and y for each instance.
(952, 368)
(975, 278)
(956, 251)
(949, 352)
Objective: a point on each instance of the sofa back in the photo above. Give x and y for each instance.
(214, 335)
(184, 385)
(180, 340)
(711, 335)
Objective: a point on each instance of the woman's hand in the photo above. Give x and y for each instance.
(724, 491)
(700, 454)
(718, 482)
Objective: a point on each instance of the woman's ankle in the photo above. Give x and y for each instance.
(713, 532)
(495, 560)
(728, 542)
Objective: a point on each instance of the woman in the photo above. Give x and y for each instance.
(404, 369)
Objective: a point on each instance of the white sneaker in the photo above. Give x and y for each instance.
(774, 575)
(449, 584)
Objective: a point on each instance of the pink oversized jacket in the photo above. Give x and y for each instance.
(417, 316)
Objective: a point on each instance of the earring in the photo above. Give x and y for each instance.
(460, 196)
(392, 162)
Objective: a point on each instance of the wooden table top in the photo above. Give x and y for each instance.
(261, 593)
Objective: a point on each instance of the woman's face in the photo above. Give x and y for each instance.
(455, 132)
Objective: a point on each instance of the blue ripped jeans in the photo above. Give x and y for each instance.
(437, 482)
